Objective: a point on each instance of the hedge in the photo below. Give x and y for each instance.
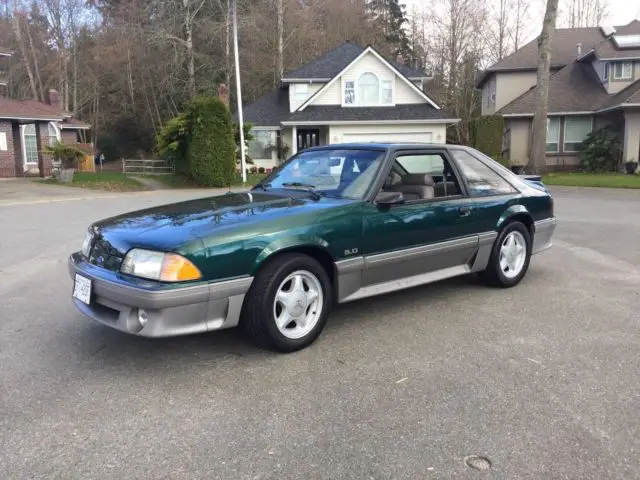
(487, 134)
(211, 147)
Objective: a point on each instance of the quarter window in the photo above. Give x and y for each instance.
(482, 180)
(623, 70)
(553, 134)
(576, 130)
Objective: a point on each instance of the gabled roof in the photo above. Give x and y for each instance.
(629, 95)
(268, 111)
(574, 88)
(608, 49)
(28, 110)
(563, 49)
(334, 61)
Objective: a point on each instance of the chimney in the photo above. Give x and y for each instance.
(579, 46)
(223, 93)
(400, 59)
(53, 98)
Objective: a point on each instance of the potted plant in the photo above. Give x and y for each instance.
(631, 167)
(68, 157)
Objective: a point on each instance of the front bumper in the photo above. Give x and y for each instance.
(171, 309)
(543, 233)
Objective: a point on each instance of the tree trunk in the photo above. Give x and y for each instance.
(18, 33)
(227, 45)
(35, 63)
(191, 67)
(280, 59)
(538, 160)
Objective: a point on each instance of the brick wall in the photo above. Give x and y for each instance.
(7, 159)
(43, 139)
(68, 137)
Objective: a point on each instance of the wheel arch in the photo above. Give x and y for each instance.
(516, 213)
(314, 247)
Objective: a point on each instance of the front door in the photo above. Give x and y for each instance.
(308, 137)
(432, 232)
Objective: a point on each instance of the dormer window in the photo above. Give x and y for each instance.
(368, 90)
(301, 92)
(623, 71)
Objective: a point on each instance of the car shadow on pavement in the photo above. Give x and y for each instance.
(114, 349)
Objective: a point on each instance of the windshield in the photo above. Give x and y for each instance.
(340, 173)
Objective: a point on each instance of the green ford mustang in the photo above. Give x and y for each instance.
(331, 225)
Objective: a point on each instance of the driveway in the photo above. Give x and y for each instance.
(541, 379)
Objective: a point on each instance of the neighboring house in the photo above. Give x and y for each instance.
(350, 94)
(26, 126)
(595, 81)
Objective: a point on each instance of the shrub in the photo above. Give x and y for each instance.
(254, 170)
(487, 135)
(261, 170)
(172, 143)
(68, 155)
(600, 151)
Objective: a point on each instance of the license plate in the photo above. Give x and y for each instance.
(82, 289)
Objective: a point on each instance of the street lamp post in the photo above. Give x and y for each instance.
(243, 165)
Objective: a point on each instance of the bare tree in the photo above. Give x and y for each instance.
(585, 13)
(280, 34)
(538, 160)
(23, 50)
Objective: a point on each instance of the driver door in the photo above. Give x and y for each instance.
(431, 233)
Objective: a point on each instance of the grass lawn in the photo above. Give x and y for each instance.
(178, 181)
(109, 181)
(606, 180)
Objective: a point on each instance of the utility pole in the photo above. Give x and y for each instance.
(243, 166)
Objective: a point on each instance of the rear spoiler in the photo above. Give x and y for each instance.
(534, 180)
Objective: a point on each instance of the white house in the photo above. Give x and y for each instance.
(350, 94)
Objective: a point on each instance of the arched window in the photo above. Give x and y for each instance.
(369, 89)
(54, 133)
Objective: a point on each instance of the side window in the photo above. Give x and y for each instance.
(482, 180)
(427, 175)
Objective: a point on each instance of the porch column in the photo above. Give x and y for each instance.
(631, 142)
(294, 140)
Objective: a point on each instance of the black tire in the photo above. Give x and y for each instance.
(493, 275)
(258, 320)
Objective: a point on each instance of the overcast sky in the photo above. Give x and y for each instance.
(621, 12)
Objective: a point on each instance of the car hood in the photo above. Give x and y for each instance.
(170, 227)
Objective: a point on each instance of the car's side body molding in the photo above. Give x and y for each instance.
(351, 279)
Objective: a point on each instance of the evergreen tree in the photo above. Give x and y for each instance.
(392, 18)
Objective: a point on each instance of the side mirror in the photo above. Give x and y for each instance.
(386, 199)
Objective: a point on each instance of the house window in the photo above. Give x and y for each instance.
(349, 92)
(606, 71)
(387, 92)
(301, 92)
(553, 134)
(261, 146)
(30, 143)
(576, 130)
(622, 70)
(369, 89)
(53, 134)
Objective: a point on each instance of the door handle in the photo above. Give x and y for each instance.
(464, 211)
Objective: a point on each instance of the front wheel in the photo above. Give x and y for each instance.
(288, 303)
(510, 256)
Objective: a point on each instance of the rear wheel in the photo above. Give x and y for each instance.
(510, 256)
(288, 303)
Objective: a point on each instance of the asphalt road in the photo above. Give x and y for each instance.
(541, 379)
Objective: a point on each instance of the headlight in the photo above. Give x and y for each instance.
(165, 267)
(86, 245)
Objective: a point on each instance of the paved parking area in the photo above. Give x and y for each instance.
(541, 379)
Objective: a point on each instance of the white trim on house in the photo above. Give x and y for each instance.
(619, 105)
(25, 164)
(372, 122)
(621, 59)
(262, 127)
(42, 119)
(303, 80)
(74, 127)
(551, 114)
(369, 49)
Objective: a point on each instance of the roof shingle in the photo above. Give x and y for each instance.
(28, 109)
(334, 61)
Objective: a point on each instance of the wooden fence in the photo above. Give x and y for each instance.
(146, 167)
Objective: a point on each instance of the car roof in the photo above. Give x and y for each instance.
(380, 146)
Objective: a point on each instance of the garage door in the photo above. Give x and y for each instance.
(424, 137)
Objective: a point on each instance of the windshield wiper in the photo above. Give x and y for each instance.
(263, 186)
(307, 186)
